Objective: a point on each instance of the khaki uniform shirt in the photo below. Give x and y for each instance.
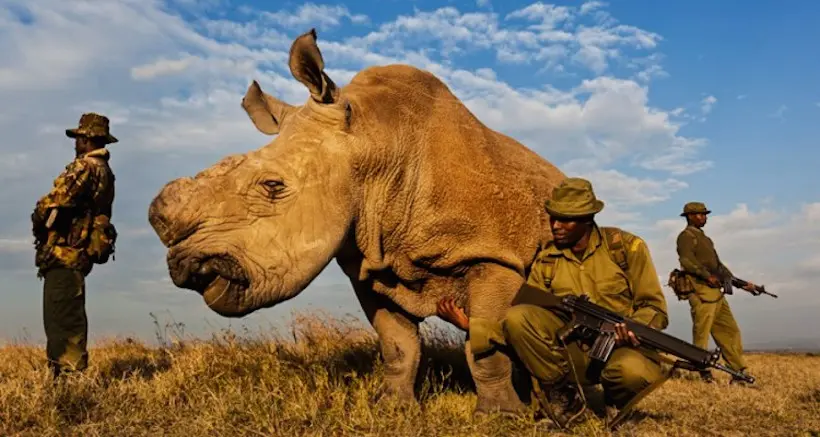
(636, 293)
(697, 255)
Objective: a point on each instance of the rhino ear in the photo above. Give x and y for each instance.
(265, 111)
(307, 66)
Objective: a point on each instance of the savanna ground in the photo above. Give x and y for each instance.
(322, 378)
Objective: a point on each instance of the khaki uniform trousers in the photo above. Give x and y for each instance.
(711, 315)
(531, 332)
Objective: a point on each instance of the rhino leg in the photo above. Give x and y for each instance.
(491, 290)
(399, 341)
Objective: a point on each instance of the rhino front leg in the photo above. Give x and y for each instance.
(491, 290)
(399, 341)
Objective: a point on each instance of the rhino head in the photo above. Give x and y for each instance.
(254, 230)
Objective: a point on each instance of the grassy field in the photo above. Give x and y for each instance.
(322, 378)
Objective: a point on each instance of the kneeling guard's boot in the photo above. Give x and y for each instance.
(563, 403)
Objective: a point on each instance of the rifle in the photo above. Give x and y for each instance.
(591, 322)
(740, 283)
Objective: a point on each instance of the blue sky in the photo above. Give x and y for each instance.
(658, 103)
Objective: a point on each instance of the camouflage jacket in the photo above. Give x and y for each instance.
(83, 190)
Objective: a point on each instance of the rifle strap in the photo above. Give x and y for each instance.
(541, 397)
(624, 412)
(549, 269)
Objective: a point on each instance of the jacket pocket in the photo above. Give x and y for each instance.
(562, 291)
(615, 295)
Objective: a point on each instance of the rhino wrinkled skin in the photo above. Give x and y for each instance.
(393, 177)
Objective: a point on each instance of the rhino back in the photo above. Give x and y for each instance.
(439, 187)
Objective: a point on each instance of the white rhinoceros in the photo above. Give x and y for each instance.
(393, 177)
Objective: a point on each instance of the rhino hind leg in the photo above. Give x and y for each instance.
(491, 289)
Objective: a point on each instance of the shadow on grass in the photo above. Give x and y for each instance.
(75, 407)
(139, 366)
(813, 396)
(641, 415)
(350, 350)
(444, 366)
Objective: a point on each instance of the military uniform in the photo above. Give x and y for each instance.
(72, 230)
(709, 308)
(634, 291)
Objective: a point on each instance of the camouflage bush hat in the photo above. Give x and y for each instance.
(573, 198)
(694, 208)
(92, 125)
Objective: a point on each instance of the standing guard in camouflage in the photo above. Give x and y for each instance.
(72, 231)
(611, 266)
(709, 308)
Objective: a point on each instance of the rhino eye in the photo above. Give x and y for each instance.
(275, 189)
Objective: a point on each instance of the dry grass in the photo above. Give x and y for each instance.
(323, 378)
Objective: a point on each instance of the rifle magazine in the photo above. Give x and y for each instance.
(603, 346)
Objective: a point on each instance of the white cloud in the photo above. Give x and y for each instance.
(707, 104)
(313, 15)
(538, 34)
(162, 67)
(549, 16)
(16, 245)
(623, 190)
(625, 196)
(172, 89)
(590, 6)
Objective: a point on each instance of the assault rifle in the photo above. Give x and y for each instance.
(740, 283)
(593, 323)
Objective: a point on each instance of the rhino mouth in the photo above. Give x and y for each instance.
(213, 276)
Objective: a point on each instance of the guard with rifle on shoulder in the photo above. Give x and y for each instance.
(703, 280)
(615, 270)
(72, 232)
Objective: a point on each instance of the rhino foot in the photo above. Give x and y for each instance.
(499, 399)
(398, 391)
